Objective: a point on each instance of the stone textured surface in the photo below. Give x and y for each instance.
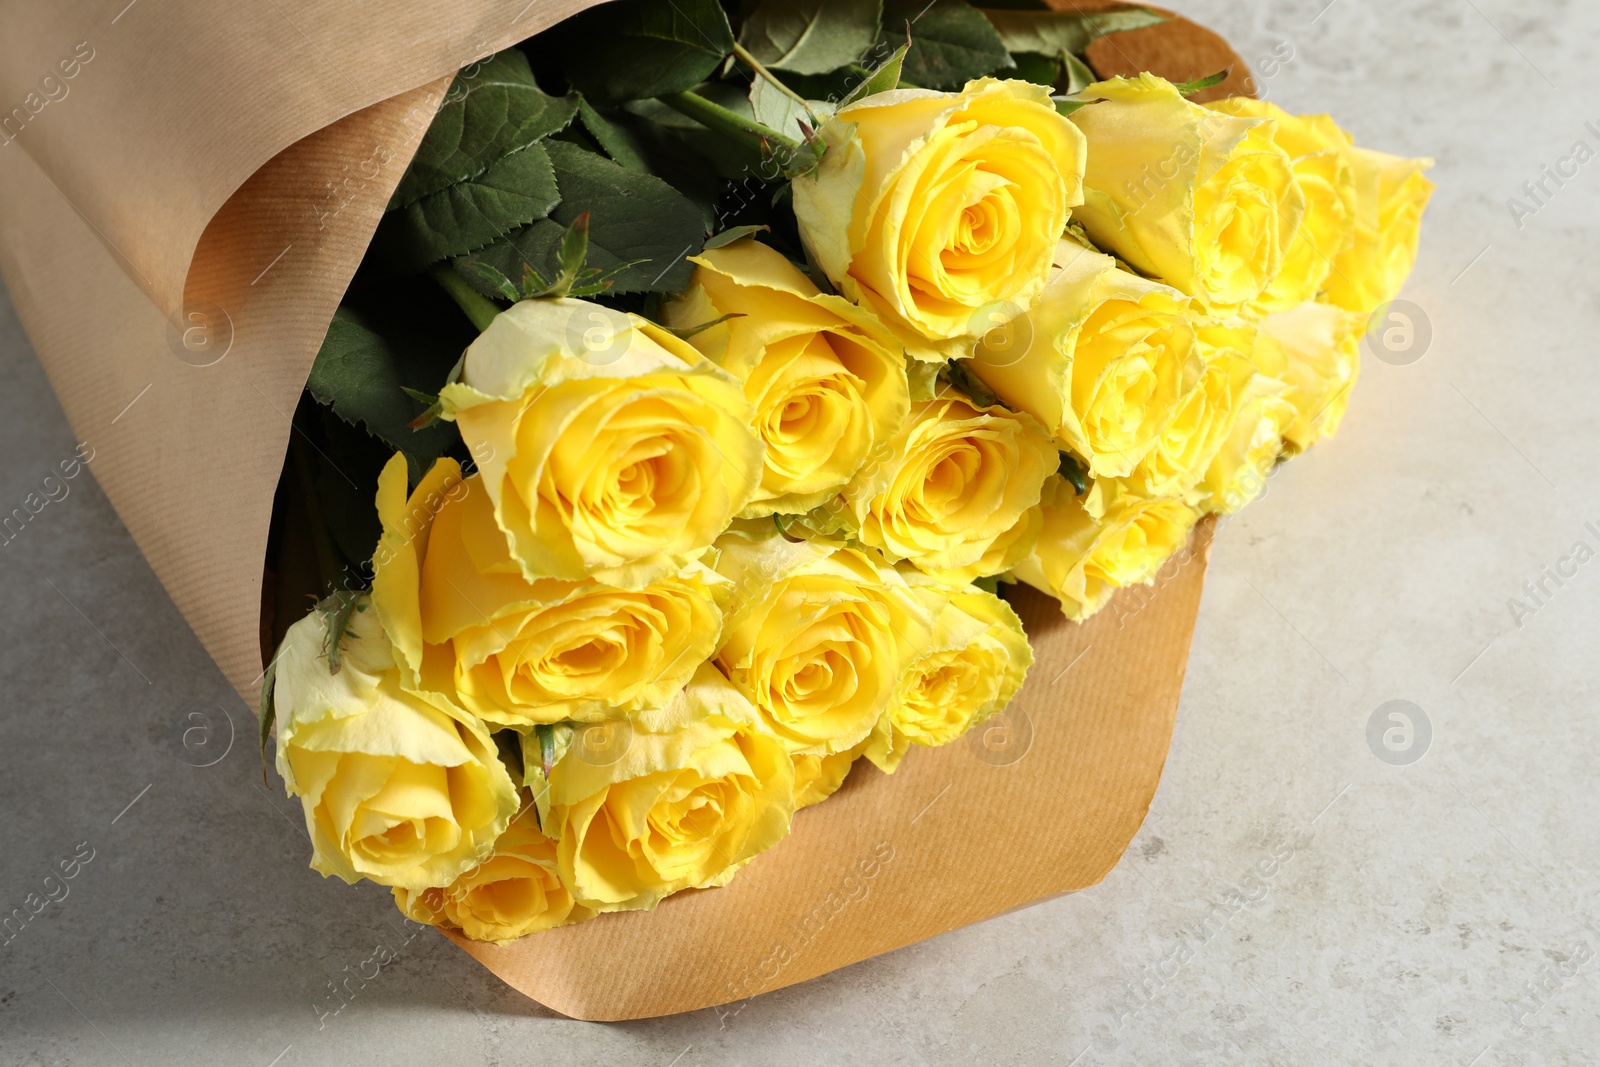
(1291, 899)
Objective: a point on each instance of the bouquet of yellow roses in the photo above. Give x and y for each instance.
(709, 376)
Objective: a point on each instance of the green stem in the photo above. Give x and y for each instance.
(479, 308)
(730, 124)
(772, 79)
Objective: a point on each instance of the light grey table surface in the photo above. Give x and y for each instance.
(1440, 912)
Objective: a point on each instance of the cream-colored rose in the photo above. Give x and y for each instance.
(827, 382)
(699, 789)
(1391, 194)
(816, 635)
(1315, 350)
(954, 492)
(971, 667)
(939, 211)
(1103, 359)
(1322, 169)
(1082, 559)
(611, 449)
(1238, 472)
(405, 790)
(1201, 200)
(1205, 416)
(514, 892)
(467, 625)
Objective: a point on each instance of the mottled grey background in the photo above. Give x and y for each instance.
(1436, 912)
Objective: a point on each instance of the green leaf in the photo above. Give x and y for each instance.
(1079, 76)
(493, 108)
(810, 36)
(636, 49)
(514, 191)
(686, 332)
(1073, 470)
(1190, 88)
(362, 376)
(269, 710)
(923, 379)
(777, 111)
(1052, 32)
(951, 42)
(615, 141)
(727, 237)
(637, 221)
(341, 607)
(964, 380)
(547, 748)
(1036, 68)
(882, 78)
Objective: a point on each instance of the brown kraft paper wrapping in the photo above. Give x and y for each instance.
(179, 216)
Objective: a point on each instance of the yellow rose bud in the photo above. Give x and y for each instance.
(1315, 350)
(816, 778)
(816, 636)
(610, 448)
(405, 790)
(1102, 359)
(1391, 194)
(467, 624)
(1322, 169)
(972, 666)
(1081, 560)
(828, 384)
(1238, 472)
(939, 211)
(1204, 417)
(1202, 200)
(697, 791)
(954, 487)
(515, 891)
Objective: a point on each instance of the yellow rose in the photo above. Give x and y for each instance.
(1081, 559)
(939, 211)
(1204, 417)
(1315, 350)
(1321, 154)
(405, 790)
(972, 666)
(816, 636)
(1204, 201)
(816, 778)
(1102, 359)
(1391, 194)
(610, 448)
(953, 493)
(699, 789)
(1238, 472)
(515, 891)
(468, 625)
(827, 383)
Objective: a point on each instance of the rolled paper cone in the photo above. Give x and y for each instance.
(176, 229)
